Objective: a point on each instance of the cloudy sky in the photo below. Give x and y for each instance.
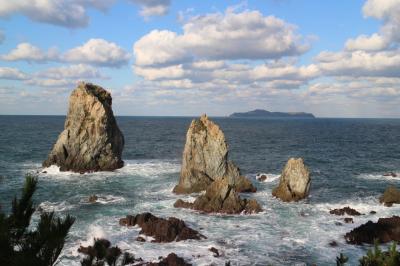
(174, 57)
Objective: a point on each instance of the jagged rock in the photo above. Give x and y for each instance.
(205, 159)
(91, 140)
(385, 230)
(348, 220)
(162, 230)
(346, 210)
(294, 183)
(221, 197)
(171, 260)
(215, 251)
(390, 196)
(93, 198)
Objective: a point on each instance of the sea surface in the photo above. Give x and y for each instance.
(347, 158)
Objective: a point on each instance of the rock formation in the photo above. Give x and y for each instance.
(205, 159)
(294, 183)
(385, 230)
(171, 260)
(346, 210)
(221, 197)
(91, 140)
(162, 230)
(390, 196)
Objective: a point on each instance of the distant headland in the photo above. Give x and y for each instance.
(260, 113)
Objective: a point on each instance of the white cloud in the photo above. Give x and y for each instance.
(98, 52)
(30, 53)
(375, 42)
(66, 13)
(153, 7)
(12, 73)
(246, 35)
(79, 71)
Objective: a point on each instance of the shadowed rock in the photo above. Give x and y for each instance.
(294, 183)
(162, 230)
(385, 230)
(221, 197)
(346, 210)
(390, 196)
(91, 140)
(205, 158)
(171, 260)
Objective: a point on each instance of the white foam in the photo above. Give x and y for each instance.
(379, 177)
(270, 177)
(103, 199)
(150, 168)
(48, 206)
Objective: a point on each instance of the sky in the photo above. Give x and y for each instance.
(333, 58)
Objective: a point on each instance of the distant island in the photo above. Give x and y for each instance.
(259, 113)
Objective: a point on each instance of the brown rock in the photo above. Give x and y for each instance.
(221, 197)
(385, 230)
(390, 196)
(205, 159)
(215, 251)
(348, 220)
(93, 198)
(140, 239)
(294, 183)
(391, 174)
(346, 210)
(171, 260)
(162, 230)
(91, 140)
(262, 178)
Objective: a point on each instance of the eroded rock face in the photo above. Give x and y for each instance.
(171, 260)
(205, 159)
(91, 140)
(221, 197)
(346, 210)
(162, 230)
(385, 230)
(390, 196)
(294, 183)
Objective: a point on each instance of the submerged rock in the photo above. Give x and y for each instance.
(205, 159)
(171, 260)
(221, 197)
(294, 183)
(385, 230)
(162, 230)
(91, 140)
(390, 196)
(346, 210)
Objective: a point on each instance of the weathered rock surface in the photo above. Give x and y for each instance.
(294, 183)
(171, 260)
(390, 196)
(205, 159)
(385, 230)
(221, 197)
(91, 140)
(162, 230)
(346, 210)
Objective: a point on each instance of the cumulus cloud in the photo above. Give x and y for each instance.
(98, 52)
(66, 13)
(12, 73)
(79, 71)
(153, 7)
(245, 35)
(30, 53)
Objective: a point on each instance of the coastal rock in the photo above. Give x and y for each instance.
(221, 197)
(294, 183)
(348, 220)
(171, 260)
(385, 230)
(391, 174)
(215, 251)
(91, 140)
(93, 198)
(390, 196)
(261, 177)
(205, 159)
(346, 210)
(162, 230)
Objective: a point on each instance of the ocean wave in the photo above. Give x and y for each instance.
(103, 199)
(270, 177)
(380, 176)
(48, 206)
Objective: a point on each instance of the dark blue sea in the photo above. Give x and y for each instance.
(347, 158)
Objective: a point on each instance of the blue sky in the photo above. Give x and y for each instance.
(170, 57)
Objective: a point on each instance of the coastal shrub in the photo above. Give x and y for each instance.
(376, 257)
(21, 246)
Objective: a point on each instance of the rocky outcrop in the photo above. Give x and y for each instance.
(221, 197)
(346, 210)
(294, 183)
(162, 230)
(171, 260)
(385, 230)
(205, 159)
(91, 140)
(390, 174)
(390, 196)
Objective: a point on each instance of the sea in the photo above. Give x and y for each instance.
(347, 159)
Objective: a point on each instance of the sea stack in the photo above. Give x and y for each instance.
(91, 140)
(294, 183)
(205, 159)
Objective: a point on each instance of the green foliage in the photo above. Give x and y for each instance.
(19, 245)
(375, 257)
(101, 253)
(341, 260)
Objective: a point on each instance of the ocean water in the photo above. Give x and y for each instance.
(347, 158)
